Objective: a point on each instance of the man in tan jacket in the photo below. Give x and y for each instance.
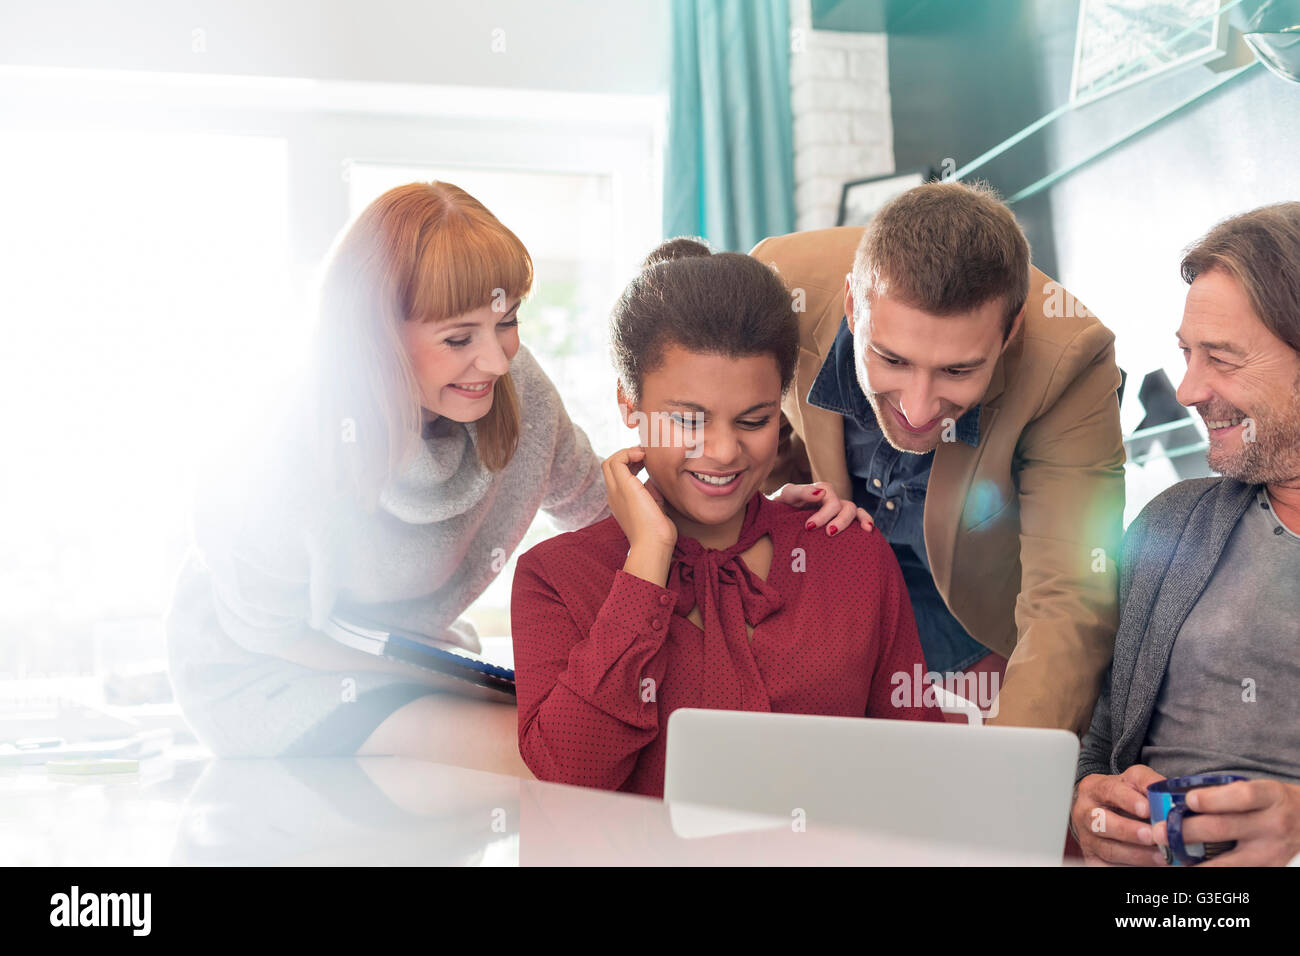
(969, 404)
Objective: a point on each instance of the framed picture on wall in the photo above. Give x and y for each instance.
(861, 198)
(1122, 42)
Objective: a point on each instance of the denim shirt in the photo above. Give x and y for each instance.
(890, 485)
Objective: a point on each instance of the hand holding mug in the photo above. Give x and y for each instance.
(1227, 820)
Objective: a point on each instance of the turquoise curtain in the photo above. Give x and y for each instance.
(729, 169)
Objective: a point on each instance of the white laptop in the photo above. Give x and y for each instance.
(1006, 788)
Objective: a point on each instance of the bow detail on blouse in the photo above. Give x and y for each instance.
(728, 594)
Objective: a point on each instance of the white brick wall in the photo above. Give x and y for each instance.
(839, 91)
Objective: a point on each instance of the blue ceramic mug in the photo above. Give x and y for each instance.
(1168, 802)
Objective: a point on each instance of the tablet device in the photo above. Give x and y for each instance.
(424, 652)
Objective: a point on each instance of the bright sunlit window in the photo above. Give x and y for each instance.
(145, 306)
(156, 270)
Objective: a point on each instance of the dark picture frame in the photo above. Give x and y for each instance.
(860, 199)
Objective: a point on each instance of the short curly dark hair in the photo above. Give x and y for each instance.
(723, 303)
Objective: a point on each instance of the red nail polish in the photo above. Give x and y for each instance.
(833, 530)
(810, 526)
(817, 491)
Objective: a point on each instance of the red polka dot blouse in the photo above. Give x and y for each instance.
(602, 657)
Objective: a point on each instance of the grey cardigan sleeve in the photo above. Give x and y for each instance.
(574, 494)
(1097, 748)
(261, 594)
(252, 532)
(1095, 751)
(575, 490)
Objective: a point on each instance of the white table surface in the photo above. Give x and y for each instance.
(187, 808)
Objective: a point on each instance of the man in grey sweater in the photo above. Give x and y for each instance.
(1206, 673)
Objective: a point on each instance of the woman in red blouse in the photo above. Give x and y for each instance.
(699, 591)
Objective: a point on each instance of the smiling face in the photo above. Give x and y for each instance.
(457, 361)
(712, 423)
(918, 370)
(1242, 380)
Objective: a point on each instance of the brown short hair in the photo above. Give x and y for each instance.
(945, 248)
(1261, 250)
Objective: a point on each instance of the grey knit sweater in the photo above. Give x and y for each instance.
(260, 578)
(1168, 557)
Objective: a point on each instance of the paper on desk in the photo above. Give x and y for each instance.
(146, 743)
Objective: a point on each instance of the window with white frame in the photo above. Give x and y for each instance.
(159, 242)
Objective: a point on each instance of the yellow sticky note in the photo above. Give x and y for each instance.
(92, 766)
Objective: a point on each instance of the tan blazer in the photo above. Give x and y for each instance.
(1022, 531)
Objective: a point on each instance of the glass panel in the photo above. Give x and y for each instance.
(1123, 41)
